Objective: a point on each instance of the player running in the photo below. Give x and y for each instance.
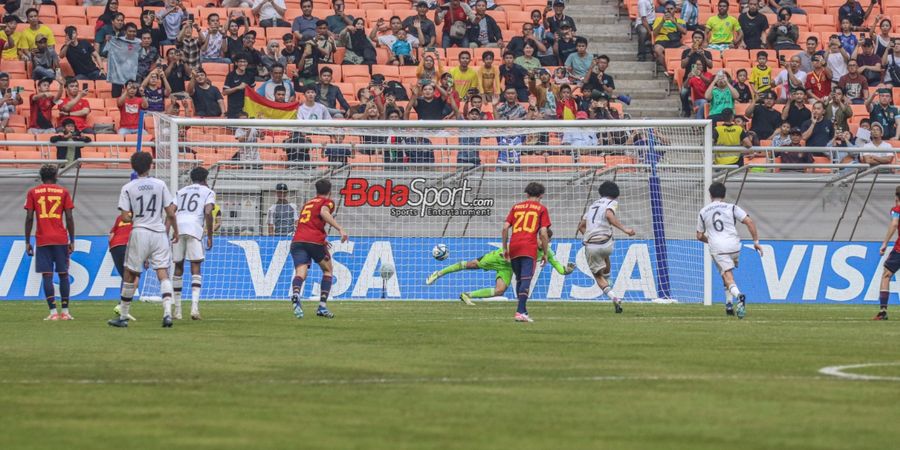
(716, 226)
(310, 244)
(147, 203)
(118, 241)
(597, 228)
(195, 205)
(494, 261)
(55, 242)
(892, 263)
(529, 221)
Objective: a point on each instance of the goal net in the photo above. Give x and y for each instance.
(401, 188)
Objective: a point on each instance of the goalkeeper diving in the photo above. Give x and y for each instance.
(494, 261)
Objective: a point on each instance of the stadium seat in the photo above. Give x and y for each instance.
(560, 159)
(530, 5)
(822, 23)
(500, 18)
(276, 33)
(736, 57)
(16, 70)
(516, 19)
(401, 7)
(373, 13)
(355, 74)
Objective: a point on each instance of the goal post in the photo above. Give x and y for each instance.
(402, 187)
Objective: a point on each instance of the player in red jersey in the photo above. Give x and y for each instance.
(55, 242)
(310, 244)
(892, 263)
(118, 240)
(529, 221)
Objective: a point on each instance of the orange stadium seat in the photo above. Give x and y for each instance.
(736, 57)
(401, 7)
(500, 18)
(517, 18)
(821, 23)
(355, 74)
(530, 5)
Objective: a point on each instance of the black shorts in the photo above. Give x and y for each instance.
(51, 258)
(118, 256)
(305, 252)
(892, 263)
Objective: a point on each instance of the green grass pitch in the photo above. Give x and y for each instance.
(429, 375)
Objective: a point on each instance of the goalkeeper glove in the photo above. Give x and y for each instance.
(570, 267)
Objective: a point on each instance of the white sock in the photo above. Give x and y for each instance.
(65, 310)
(123, 310)
(728, 297)
(165, 288)
(53, 311)
(196, 283)
(176, 288)
(608, 292)
(734, 290)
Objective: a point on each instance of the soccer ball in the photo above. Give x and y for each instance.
(440, 252)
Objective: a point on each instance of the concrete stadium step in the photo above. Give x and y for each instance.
(607, 29)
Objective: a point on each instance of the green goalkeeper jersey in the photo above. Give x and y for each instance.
(495, 261)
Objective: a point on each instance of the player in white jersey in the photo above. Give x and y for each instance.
(717, 226)
(597, 229)
(147, 203)
(195, 204)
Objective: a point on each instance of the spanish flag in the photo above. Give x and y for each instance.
(259, 107)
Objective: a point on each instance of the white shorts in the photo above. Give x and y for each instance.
(150, 246)
(726, 261)
(596, 255)
(188, 248)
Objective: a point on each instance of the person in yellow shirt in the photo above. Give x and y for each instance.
(10, 52)
(761, 75)
(667, 30)
(488, 77)
(464, 77)
(27, 41)
(724, 31)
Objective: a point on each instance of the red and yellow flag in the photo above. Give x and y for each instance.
(259, 107)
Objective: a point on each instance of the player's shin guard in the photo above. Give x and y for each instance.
(64, 290)
(49, 291)
(196, 284)
(728, 297)
(177, 283)
(296, 287)
(325, 289)
(452, 268)
(482, 293)
(733, 289)
(127, 295)
(165, 288)
(883, 297)
(607, 291)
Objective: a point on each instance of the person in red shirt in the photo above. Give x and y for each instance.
(818, 82)
(55, 241)
(698, 82)
(892, 263)
(565, 106)
(41, 118)
(130, 106)
(118, 240)
(75, 106)
(310, 244)
(529, 221)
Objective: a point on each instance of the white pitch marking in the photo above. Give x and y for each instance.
(430, 380)
(839, 371)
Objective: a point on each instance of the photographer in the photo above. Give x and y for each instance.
(838, 110)
(667, 31)
(784, 34)
(170, 19)
(817, 132)
(796, 112)
(720, 95)
(891, 64)
(69, 133)
(82, 56)
(600, 109)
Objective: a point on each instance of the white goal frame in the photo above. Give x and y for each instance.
(171, 144)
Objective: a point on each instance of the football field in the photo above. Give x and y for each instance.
(428, 375)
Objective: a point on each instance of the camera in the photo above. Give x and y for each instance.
(84, 86)
(191, 17)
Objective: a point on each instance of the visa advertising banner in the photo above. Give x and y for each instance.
(260, 268)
